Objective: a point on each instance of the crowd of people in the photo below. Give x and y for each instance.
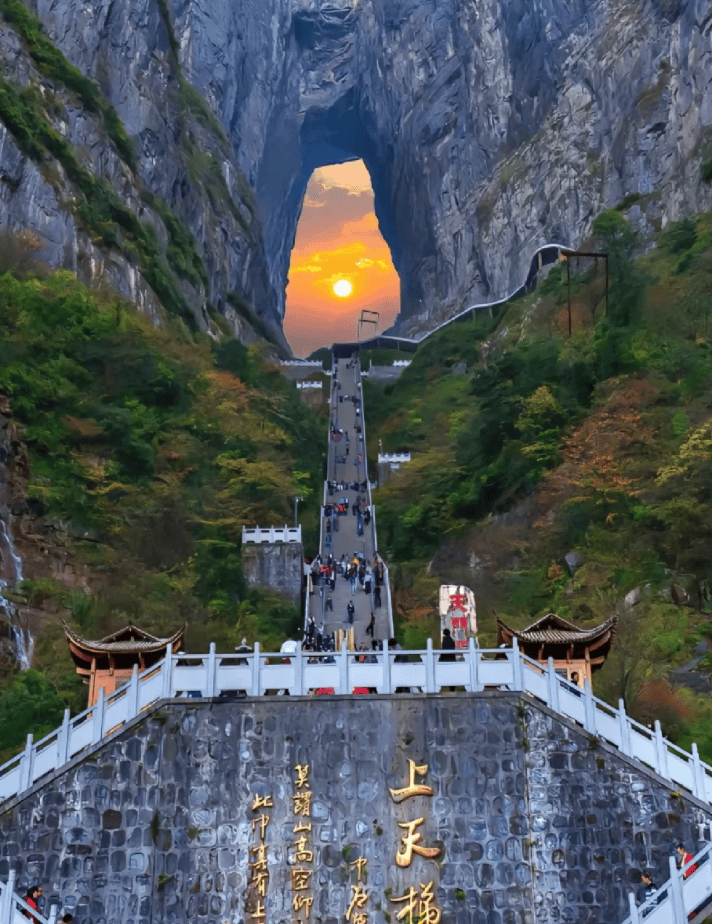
(368, 576)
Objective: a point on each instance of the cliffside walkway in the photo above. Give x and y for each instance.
(339, 535)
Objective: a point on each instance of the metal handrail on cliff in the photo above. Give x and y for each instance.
(210, 675)
(414, 341)
(683, 893)
(13, 908)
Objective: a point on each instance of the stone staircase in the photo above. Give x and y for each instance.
(680, 899)
(12, 907)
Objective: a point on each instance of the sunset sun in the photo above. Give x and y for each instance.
(343, 288)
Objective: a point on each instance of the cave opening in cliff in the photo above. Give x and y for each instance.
(340, 262)
(333, 209)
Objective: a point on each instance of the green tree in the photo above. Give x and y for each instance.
(29, 705)
(627, 283)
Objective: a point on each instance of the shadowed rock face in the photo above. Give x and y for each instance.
(488, 127)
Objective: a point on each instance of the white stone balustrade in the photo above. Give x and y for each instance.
(674, 902)
(211, 674)
(271, 534)
(12, 906)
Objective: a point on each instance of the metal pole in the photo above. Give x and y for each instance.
(568, 287)
(606, 258)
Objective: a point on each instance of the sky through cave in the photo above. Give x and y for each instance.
(338, 239)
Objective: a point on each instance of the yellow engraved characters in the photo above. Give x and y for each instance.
(418, 907)
(413, 788)
(259, 875)
(410, 844)
(301, 849)
(356, 912)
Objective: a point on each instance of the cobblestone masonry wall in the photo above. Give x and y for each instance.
(275, 567)
(532, 823)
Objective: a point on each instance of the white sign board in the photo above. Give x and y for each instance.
(458, 613)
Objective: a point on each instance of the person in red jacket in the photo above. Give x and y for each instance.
(685, 858)
(32, 899)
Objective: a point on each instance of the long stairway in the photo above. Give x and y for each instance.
(349, 534)
(682, 897)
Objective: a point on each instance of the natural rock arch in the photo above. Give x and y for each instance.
(489, 128)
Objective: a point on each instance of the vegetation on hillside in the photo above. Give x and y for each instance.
(599, 444)
(148, 451)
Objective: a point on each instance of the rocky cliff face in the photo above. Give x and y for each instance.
(489, 129)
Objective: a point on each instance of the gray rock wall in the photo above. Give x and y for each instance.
(275, 567)
(489, 129)
(531, 823)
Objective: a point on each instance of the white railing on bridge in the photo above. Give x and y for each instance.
(12, 907)
(675, 902)
(306, 385)
(402, 362)
(271, 534)
(311, 363)
(212, 675)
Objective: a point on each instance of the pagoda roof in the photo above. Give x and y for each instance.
(552, 629)
(128, 640)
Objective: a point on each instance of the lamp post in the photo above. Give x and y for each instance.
(296, 501)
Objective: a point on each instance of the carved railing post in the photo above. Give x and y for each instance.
(552, 685)
(211, 670)
(474, 657)
(132, 706)
(98, 718)
(661, 751)
(387, 687)
(343, 669)
(624, 728)
(255, 688)
(167, 664)
(517, 666)
(430, 668)
(676, 899)
(634, 916)
(298, 671)
(63, 740)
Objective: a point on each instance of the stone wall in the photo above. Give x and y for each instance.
(276, 567)
(532, 821)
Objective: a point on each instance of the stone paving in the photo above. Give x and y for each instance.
(347, 463)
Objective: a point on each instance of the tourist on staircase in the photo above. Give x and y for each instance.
(32, 899)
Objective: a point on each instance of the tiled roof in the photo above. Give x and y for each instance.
(553, 629)
(113, 645)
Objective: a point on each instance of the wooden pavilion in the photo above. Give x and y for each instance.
(574, 650)
(108, 663)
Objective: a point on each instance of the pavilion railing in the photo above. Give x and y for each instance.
(258, 674)
(12, 907)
